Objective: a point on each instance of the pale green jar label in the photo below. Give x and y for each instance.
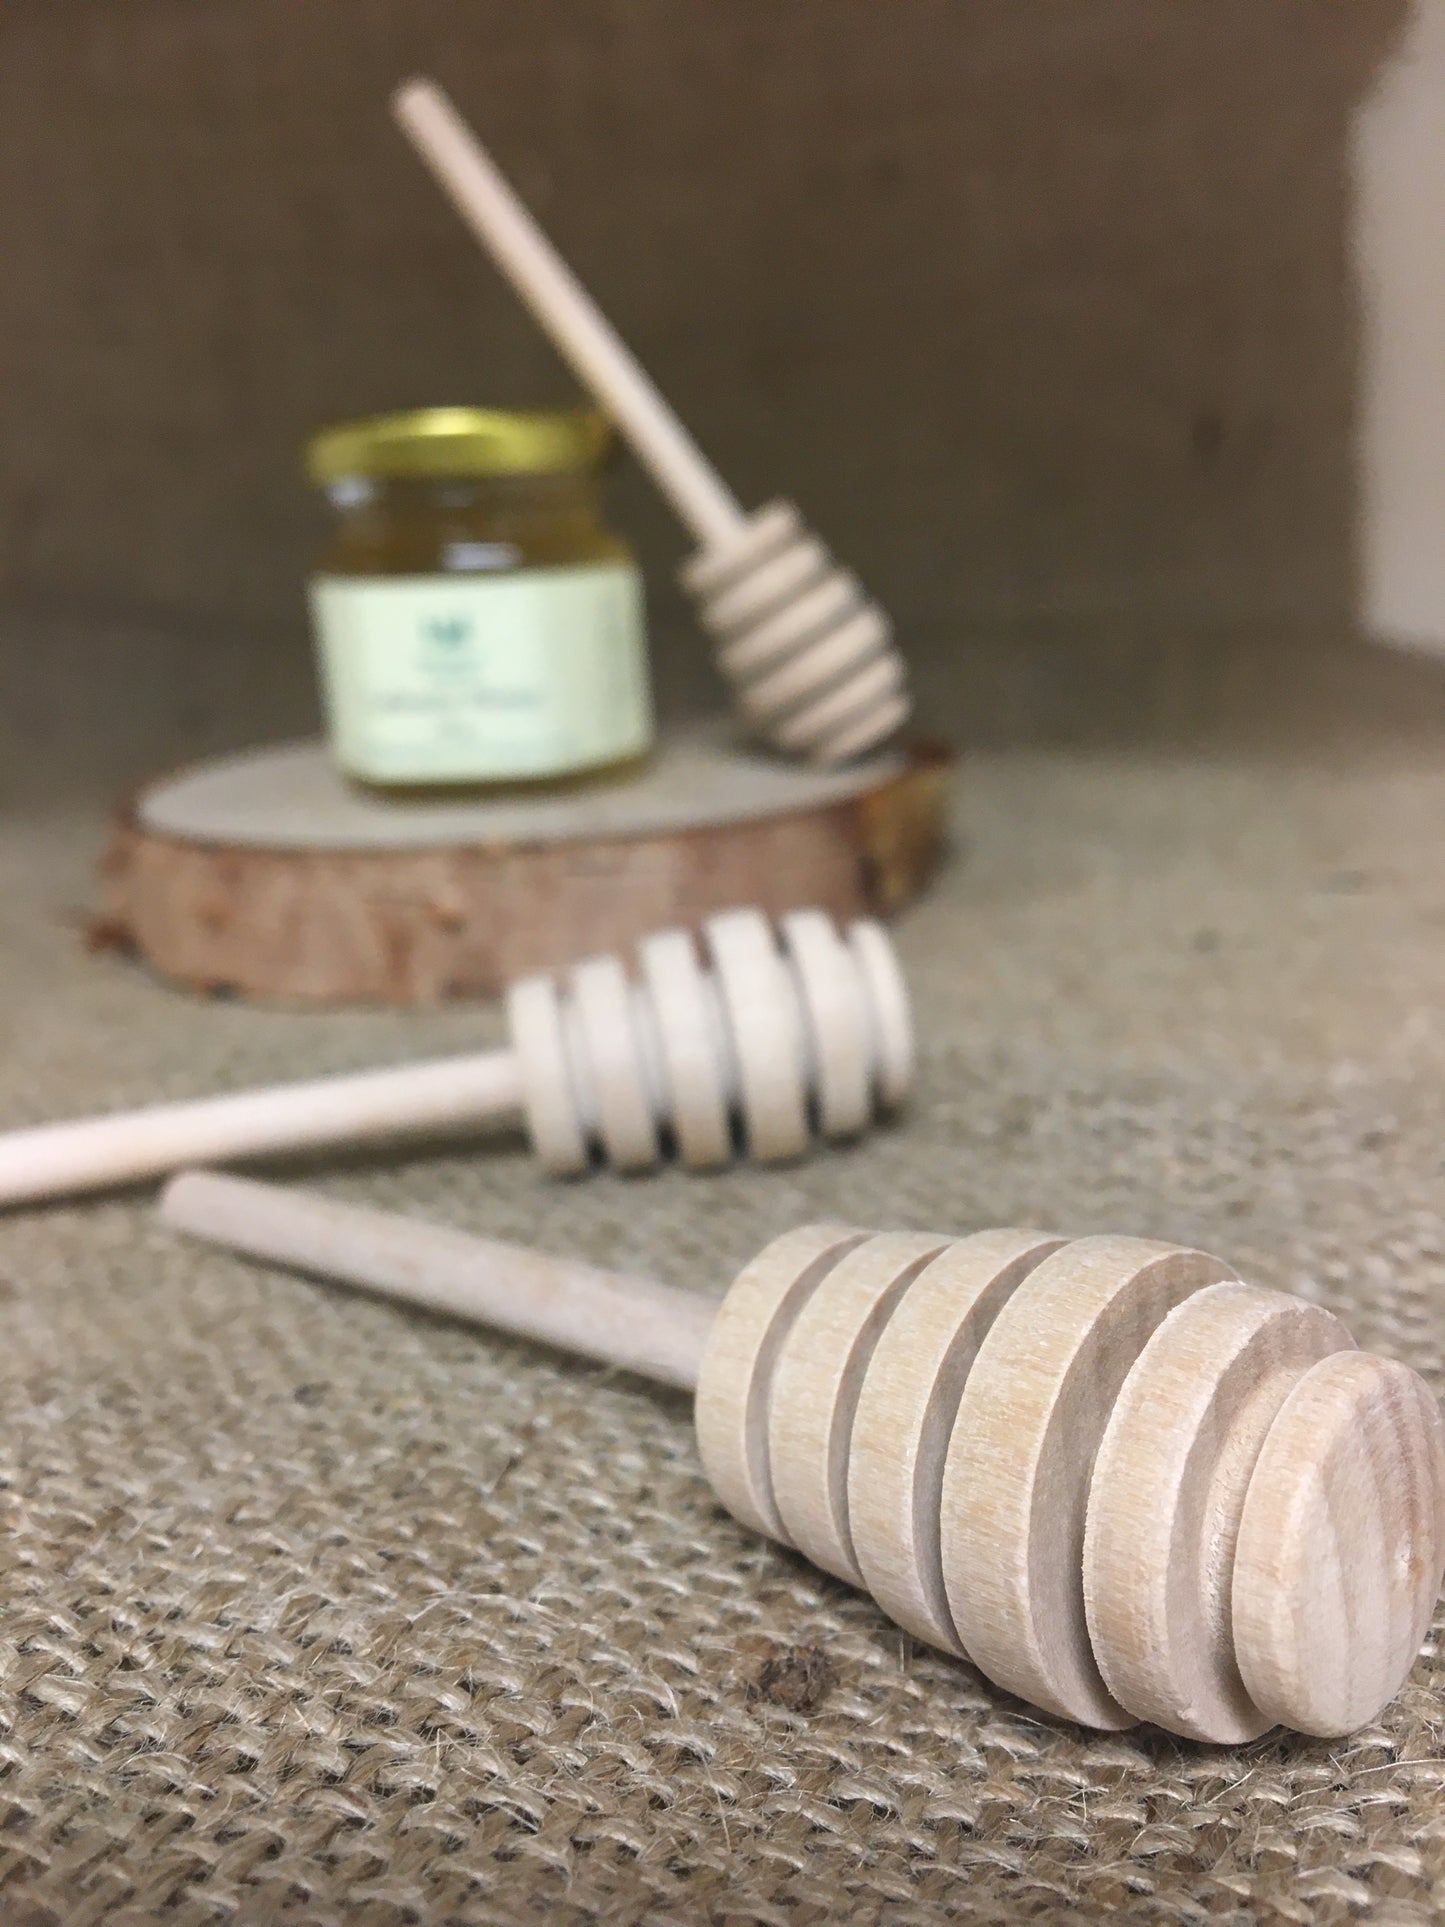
(446, 679)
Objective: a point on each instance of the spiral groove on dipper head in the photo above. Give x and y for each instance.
(768, 1036)
(1123, 1483)
(810, 657)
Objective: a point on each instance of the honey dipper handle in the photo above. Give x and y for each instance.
(88, 1154)
(633, 1323)
(566, 311)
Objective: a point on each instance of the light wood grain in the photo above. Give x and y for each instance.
(764, 1022)
(631, 1323)
(811, 659)
(833, 995)
(557, 1121)
(609, 1065)
(890, 1010)
(734, 1388)
(765, 1036)
(1341, 1545)
(1016, 1478)
(1123, 1483)
(695, 1063)
(905, 1415)
(608, 1043)
(1168, 1490)
(817, 1380)
(263, 875)
(443, 1098)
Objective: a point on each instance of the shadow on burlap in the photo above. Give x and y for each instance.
(318, 1610)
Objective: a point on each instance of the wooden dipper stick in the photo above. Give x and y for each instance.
(811, 659)
(1119, 1480)
(775, 1030)
(655, 1330)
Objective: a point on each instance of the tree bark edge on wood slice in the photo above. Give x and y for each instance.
(330, 926)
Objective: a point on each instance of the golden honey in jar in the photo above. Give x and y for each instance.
(476, 623)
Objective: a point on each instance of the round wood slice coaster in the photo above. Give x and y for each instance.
(267, 875)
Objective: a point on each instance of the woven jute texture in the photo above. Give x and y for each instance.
(1034, 308)
(317, 1610)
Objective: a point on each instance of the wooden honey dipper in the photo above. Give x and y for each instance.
(781, 1033)
(810, 658)
(1122, 1482)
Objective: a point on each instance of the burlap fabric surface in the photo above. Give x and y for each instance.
(317, 1610)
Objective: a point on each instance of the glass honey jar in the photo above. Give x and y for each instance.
(476, 623)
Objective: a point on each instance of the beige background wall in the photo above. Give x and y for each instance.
(1041, 307)
(1399, 207)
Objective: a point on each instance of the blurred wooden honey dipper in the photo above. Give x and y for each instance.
(1122, 1482)
(777, 1035)
(810, 658)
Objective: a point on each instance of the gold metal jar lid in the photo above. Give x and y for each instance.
(460, 441)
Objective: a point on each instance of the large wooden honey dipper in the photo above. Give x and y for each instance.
(809, 657)
(778, 1034)
(1122, 1482)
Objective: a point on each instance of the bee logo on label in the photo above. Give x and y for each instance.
(447, 632)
